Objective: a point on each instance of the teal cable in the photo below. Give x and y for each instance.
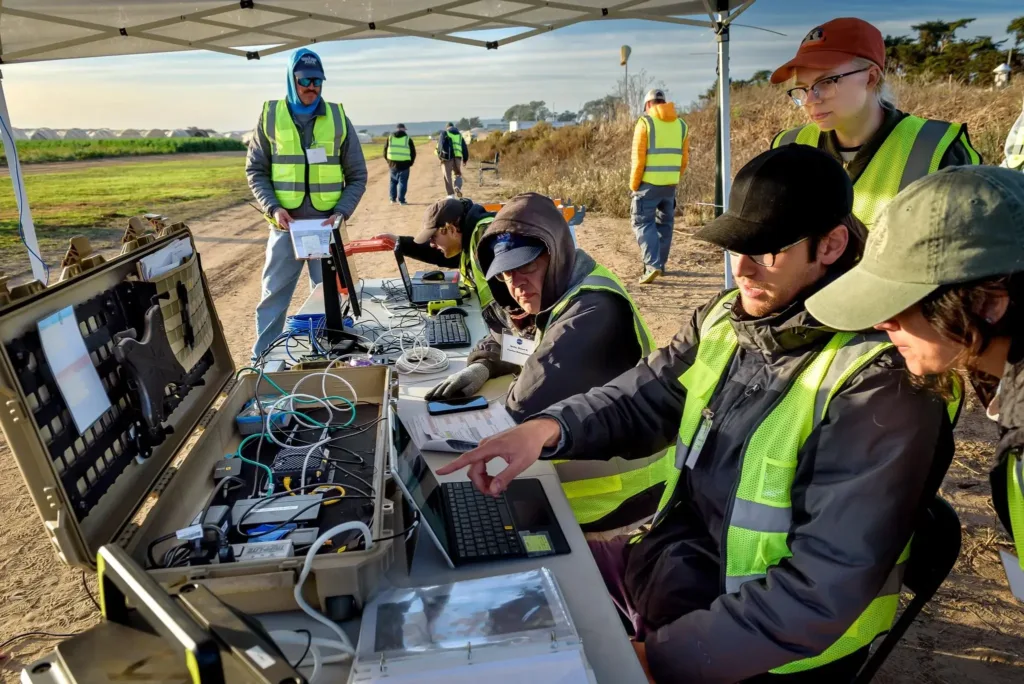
(238, 454)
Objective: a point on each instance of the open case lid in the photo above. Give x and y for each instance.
(87, 487)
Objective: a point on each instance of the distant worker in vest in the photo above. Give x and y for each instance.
(450, 233)
(400, 153)
(803, 456)
(661, 151)
(838, 79)
(965, 310)
(452, 151)
(302, 164)
(1013, 150)
(560, 324)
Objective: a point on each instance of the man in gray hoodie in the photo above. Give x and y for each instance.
(304, 162)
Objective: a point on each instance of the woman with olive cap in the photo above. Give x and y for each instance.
(838, 79)
(943, 275)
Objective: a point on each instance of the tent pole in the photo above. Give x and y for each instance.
(28, 229)
(724, 114)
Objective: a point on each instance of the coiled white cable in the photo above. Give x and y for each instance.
(307, 565)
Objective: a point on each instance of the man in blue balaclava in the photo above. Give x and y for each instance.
(303, 163)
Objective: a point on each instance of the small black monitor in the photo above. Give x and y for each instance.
(338, 265)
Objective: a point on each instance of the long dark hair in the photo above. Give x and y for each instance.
(954, 312)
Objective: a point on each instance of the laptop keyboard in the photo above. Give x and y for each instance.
(483, 524)
(446, 331)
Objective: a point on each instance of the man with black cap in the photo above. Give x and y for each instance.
(803, 456)
(401, 155)
(452, 151)
(302, 164)
(451, 231)
(561, 324)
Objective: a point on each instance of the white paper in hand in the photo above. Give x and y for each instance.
(310, 239)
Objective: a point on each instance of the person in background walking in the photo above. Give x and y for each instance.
(452, 151)
(661, 150)
(302, 164)
(838, 79)
(401, 155)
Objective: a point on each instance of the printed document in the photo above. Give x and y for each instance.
(72, 368)
(430, 432)
(310, 240)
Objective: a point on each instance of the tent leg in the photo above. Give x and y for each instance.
(28, 229)
(724, 115)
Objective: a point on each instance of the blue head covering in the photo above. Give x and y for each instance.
(303, 64)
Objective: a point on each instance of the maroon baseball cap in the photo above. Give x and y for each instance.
(834, 42)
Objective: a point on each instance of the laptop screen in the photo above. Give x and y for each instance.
(404, 270)
(415, 474)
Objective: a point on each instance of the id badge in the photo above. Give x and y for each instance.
(316, 155)
(516, 349)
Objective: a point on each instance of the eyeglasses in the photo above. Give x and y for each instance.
(524, 270)
(767, 260)
(823, 88)
(311, 82)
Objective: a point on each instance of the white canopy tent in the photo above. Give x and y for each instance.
(37, 30)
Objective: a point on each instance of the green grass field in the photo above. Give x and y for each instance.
(97, 202)
(38, 151)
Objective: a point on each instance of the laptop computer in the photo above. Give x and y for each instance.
(467, 526)
(422, 293)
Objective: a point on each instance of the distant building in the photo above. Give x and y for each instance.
(129, 134)
(364, 137)
(1002, 75)
(179, 133)
(74, 134)
(101, 134)
(156, 133)
(42, 134)
(526, 125)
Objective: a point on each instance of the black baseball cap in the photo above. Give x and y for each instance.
(779, 198)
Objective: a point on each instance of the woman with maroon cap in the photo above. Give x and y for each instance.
(838, 79)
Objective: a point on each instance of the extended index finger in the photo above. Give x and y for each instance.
(482, 454)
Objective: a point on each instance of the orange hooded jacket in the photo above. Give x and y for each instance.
(665, 112)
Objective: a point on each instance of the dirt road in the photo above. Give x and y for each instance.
(972, 633)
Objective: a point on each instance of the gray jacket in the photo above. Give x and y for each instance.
(353, 164)
(863, 477)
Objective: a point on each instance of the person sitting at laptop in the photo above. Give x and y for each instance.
(451, 231)
(560, 324)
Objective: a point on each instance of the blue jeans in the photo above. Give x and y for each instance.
(399, 184)
(653, 215)
(280, 275)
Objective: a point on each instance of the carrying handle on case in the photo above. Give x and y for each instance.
(121, 579)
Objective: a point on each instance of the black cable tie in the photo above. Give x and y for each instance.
(124, 31)
(245, 4)
(252, 55)
(604, 11)
(373, 26)
(492, 45)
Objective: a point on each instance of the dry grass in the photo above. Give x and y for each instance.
(590, 163)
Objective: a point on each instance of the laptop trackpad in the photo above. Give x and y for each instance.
(535, 521)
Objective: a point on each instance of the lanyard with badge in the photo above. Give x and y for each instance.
(316, 154)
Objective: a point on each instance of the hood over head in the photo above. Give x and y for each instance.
(304, 64)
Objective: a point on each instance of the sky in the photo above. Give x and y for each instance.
(412, 79)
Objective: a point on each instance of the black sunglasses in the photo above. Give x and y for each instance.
(314, 82)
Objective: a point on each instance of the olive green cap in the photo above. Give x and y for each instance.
(961, 224)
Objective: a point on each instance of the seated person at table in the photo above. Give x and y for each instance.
(805, 455)
(451, 231)
(576, 328)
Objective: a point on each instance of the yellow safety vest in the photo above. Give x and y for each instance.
(597, 489)
(1015, 500)
(664, 150)
(398, 149)
(761, 517)
(456, 139)
(290, 171)
(470, 268)
(912, 150)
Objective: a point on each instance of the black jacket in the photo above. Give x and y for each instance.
(471, 215)
(863, 477)
(400, 165)
(444, 146)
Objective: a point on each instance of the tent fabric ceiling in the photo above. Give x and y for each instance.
(36, 30)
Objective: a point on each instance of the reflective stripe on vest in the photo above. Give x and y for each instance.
(291, 174)
(761, 514)
(1015, 501)
(470, 268)
(456, 139)
(912, 150)
(398, 149)
(664, 150)
(597, 489)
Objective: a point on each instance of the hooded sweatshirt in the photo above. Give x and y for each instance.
(294, 103)
(591, 342)
(444, 145)
(665, 112)
(400, 165)
(257, 163)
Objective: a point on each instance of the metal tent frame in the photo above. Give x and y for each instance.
(40, 30)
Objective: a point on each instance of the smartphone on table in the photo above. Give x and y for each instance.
(442, 408)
